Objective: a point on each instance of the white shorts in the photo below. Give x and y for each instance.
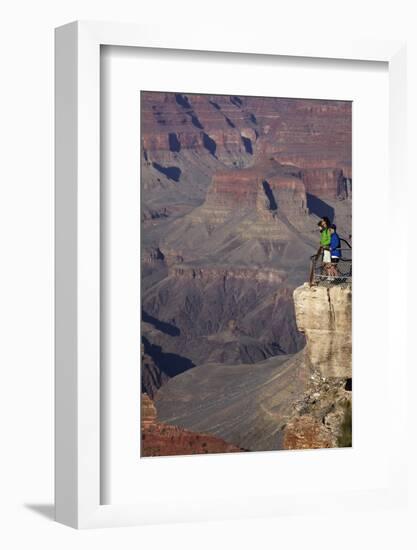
(326, 257)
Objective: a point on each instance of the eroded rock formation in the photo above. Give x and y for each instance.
(322, 416)
(265, 187)
(325, 182)
(324, 315)
(187, 138)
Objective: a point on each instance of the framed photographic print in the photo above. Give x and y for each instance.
(219, 310)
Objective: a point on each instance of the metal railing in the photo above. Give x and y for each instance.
(335, 273)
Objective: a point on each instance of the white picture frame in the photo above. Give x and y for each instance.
(77, 250)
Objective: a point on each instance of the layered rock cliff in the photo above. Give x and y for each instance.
(187, 138)
(264, 187)
(322, 416)
(324, 315)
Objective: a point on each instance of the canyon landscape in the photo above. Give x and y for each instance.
(241, 351)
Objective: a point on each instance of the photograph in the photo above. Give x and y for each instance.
(185, 360)
(246, 273)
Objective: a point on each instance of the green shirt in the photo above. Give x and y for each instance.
(325, 237)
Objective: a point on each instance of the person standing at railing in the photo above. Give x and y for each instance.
(335, 252)
(325, 238)
(324, 249)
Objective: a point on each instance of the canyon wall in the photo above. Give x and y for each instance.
(188, 138)
(322, 416)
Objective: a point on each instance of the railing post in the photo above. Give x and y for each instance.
(312, 269)
(313, 261)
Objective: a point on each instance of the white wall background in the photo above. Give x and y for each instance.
(26, 272)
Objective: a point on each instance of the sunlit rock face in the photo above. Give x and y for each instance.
(324, 315)
(266, 188)
(324, 182)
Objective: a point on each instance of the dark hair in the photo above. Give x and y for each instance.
(333, 226)
(326, 220)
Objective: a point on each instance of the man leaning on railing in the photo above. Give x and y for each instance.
(324, 248)
(325, 240)
(335, 252)
(328, 264)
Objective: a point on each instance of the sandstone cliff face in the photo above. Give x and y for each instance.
(321, 417)
(266, 187)
(324, 182)
(324, 315)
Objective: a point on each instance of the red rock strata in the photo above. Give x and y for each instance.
(160, 439)
(323, 182)
(260, 188)
(241, 131)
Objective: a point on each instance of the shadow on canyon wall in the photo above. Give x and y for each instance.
(320, 208)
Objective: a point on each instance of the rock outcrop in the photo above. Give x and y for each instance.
(324, 315)
(266, 188)
(324, 182)
(322, 416)
(152, 377)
